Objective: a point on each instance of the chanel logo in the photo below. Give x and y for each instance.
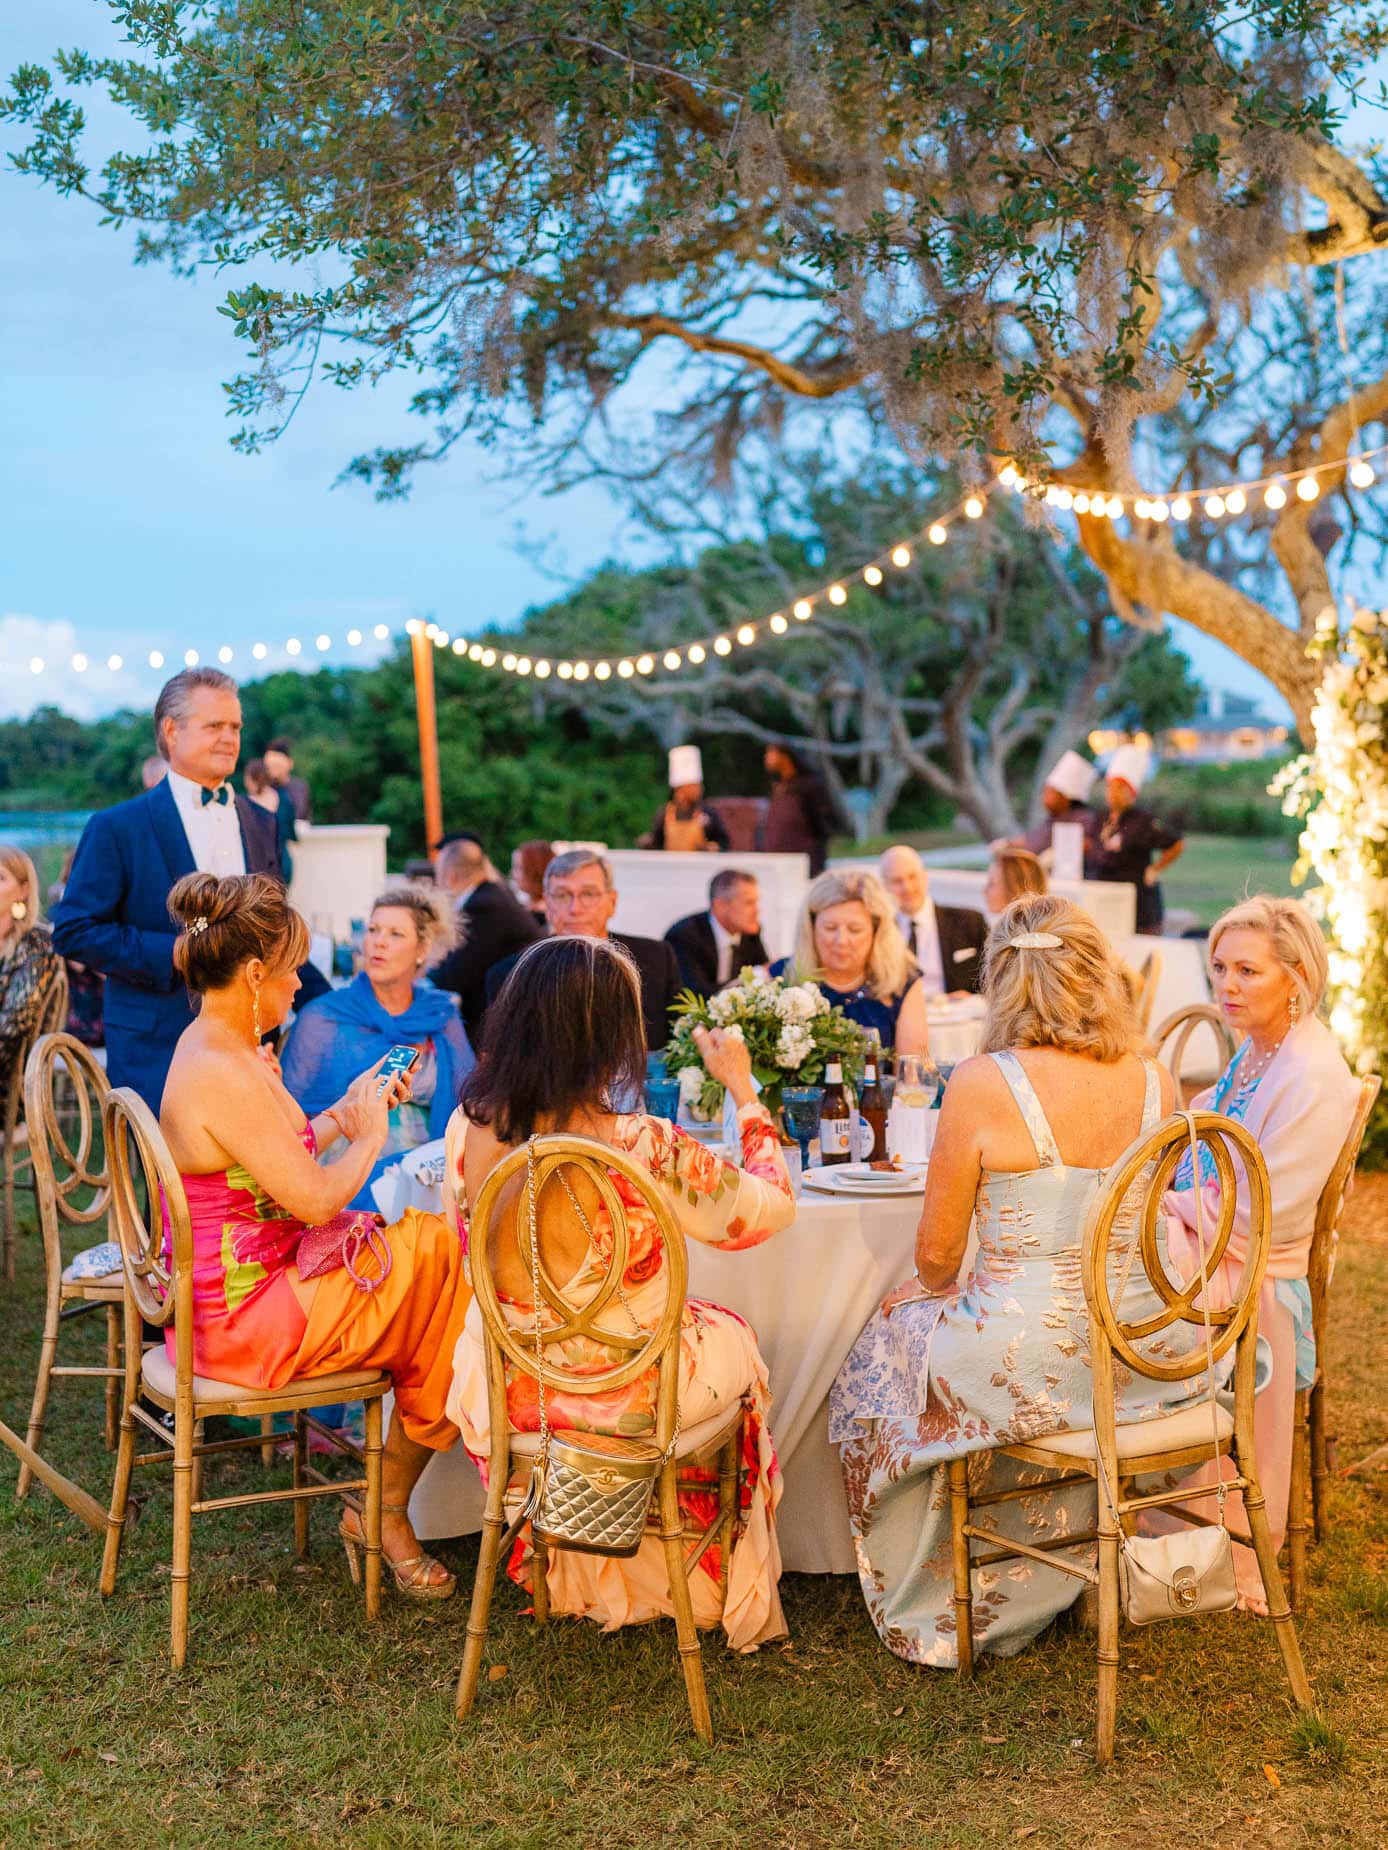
(1185, 1589)
(606, 1481)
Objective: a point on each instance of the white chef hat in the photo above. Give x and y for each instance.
(1072, 776)
(1131, 763)
(686, 766)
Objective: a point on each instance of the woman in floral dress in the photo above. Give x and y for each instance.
(1028, 1132)
(563, 1039)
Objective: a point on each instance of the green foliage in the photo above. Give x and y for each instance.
(1222, 799)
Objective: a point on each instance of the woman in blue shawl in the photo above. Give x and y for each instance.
(342, 1034)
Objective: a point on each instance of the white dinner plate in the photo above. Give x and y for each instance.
(836, 1181)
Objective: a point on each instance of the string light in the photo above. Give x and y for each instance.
(224, 654)
(837, 594)
(156, 660)
(872, 575)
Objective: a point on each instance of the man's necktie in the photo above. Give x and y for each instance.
(911, 937)
(222, 794)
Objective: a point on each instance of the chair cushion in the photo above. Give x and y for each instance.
(95, 1263)
(1171, 1432)
(160, 1379)
(692, 1439)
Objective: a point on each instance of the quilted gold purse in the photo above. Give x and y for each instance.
(1175, 1576)
(588, 1490)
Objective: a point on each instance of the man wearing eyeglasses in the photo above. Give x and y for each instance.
(580, 900)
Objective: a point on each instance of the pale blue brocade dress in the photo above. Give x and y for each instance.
(1004, 1360)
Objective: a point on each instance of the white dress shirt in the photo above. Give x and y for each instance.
(927, 946)
(213, 829)
(725, 943)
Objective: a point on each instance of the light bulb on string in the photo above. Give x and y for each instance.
(1307, 488)
(566, 671)
(543, 669)
(293, 646)
(837, 594)
(190, 658)
(1114, 510)
(1361, 474)
(1007, 475)
(1274, 495)
(460, 645)
(381, 632)
(644, 664)
(1180, 508)
(322, 642)
(36, 664)
(1159, 512)
(973, 507)
(603, 671)
(474, 653)
(938, 534)
(901, 557)
(722, 646)
(1063, 498)
(672, 658)
(114, 663)
(353, 639)
(697, 653)
(523, 664)
(800, 610)
(626, 670)
(1081, 503)
(778, 624)
(79, 662)
(746, 635)
(872, 575)
(489, 658)
(439, 638)
(413, 627)
(1214, 506)
(508, 662)
(1142, 508)
(224, 654)
(156, 659)
(1235, 501)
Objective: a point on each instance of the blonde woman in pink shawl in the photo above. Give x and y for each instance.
(1288, 1084)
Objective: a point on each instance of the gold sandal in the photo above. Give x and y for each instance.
(412, 1577)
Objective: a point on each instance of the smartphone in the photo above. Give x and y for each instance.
(400, 1059)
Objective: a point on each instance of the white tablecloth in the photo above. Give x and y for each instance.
(414, 1182)
(806, 1292)
(955, 1029)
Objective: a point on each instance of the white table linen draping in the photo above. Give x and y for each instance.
(807, 1292)
(954, 1029)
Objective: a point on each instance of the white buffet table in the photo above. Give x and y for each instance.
(806, 1292)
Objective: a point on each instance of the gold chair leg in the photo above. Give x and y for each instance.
(9, 1211)
(493, 1524)
(113, 1362)
(48, 1355)
(728, 1460)
(1298, 1505)
(184, 1465)
(301, 1507)
(691, 1661)
(198, 1435)
(1107, 1695)
(267, 1441)
(120, 1499)
(539, 1578)
(1255, 1508)
(1320, 1456)
(963, 1581)
(371, 1507)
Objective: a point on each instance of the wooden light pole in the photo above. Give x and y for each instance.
(422, 653)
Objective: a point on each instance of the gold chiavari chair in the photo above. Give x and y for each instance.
(157, 1254)
(1145, 995)
(64, 1090)
(1178, 1029)
(512, 1453)
(1177, 1442)
(14, 1150)
(1306, 1500)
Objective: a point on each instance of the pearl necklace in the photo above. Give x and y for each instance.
(1252, 1074)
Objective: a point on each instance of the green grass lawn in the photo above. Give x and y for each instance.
(297, 1724)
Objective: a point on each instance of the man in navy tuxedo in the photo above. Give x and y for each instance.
(114, 914)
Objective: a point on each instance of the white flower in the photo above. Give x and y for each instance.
(691, 1084)
(794, 1046)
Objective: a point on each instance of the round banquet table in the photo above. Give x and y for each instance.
(807, 1292)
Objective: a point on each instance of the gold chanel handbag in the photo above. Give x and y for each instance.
(588, 1490)
(1175, 1576)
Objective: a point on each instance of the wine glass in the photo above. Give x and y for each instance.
(800, 1104)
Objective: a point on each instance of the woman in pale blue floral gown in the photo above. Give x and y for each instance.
(1028, 1132)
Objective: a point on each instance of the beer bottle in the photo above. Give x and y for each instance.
(835, 1118)
(872, 1109)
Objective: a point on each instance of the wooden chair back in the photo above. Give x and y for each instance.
(1149, 976)
(64, 1091)
(149, 1214)
(1178, 1029)
(602, 1316)
(1110, 1233)
(1325, 1237)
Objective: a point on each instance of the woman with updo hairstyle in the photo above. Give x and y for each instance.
(952, 1366)
(562, 1043)
(388, 1003)
(28, 963)
(1289, 1086)
(250, 1162)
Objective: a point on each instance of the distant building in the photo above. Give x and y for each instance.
(1227, 729)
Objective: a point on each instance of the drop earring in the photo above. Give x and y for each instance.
(18, 910)
(1294, 1009)
(255, 1015)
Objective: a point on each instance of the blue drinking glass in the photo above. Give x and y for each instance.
(655, 1066)
(663, 1098)
(800, 1105)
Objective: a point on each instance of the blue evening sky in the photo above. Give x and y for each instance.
(130, 524)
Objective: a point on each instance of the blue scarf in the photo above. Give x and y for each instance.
(340, 1035)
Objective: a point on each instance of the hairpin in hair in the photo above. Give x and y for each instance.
(196, 926)
(1035, 941)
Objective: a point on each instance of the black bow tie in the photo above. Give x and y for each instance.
(222, 794)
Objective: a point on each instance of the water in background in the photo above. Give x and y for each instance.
(44, 834)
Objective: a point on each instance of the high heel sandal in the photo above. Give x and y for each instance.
(411, 1577)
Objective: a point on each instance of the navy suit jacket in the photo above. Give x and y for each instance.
(114, 917)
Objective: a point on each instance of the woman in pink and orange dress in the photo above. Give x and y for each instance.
(563, 1040)
(248, 1158)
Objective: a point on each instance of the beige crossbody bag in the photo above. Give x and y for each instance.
(1192, 1570)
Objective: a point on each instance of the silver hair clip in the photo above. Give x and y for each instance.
(197, 926)
(1035, 941)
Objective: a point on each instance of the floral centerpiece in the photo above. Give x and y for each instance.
(791, 1030)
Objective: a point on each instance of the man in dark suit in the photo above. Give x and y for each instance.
(494, 925)
(114, 915)
(712, 947)
(946, 941)
(579, 902)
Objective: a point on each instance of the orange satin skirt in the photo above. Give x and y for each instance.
(409, 1325)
